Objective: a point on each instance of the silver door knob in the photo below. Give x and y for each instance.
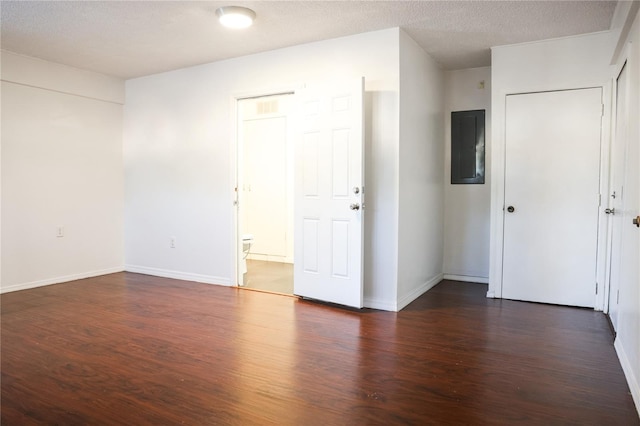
(610, 211)
(511, 209)
(355, 206)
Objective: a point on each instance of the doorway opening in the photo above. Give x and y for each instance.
(265, 191)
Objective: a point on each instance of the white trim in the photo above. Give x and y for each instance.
(613, 144)
(384, 305)
(63, 279)
(632, 380)
(178, 275)
(604, 188)
(467, 278)
(491, 295)
(236, 97)
(605, 199)
(498, 120)
(543, 88)
(235, 244)
(270, 258)
(405, 300)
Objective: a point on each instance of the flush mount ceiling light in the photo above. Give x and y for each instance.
(235, 16)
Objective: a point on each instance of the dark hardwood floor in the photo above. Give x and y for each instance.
(131, 349)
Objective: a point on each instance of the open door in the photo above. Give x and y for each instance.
(329, 194)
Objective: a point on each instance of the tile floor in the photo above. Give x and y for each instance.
(275, 277)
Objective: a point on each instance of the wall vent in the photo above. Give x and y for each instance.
(267, 107)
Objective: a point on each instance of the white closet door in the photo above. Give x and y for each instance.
(551, 196)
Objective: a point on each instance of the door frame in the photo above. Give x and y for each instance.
(624, 58)
(498, 185)
(235, 244)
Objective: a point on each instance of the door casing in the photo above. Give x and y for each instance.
(236, 238)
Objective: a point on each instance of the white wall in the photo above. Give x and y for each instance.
(180, 164)
(61, 167)
(566, 63)
(627, 341)
(421, 197)
(467, 207)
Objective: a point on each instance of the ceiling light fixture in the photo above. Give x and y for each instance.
(235, 16)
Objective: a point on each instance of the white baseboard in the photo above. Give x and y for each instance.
(269, 258)
(467, 278)
(408, 298)
(63, 279)
(491, 295)
(632, 380)
(178, 275)
(383, 305)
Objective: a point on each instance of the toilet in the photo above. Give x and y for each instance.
(247, 242)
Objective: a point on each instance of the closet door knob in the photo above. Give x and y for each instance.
(355, 206)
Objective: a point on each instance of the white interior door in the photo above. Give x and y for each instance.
(551, 196)
(329, 194)
(616, 196)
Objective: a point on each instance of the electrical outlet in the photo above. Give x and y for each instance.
(60, 231)
(172, 242)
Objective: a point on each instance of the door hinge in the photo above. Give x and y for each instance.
(599, 200)
(618, 297)
(596, 288)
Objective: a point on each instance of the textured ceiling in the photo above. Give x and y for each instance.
(134, 38)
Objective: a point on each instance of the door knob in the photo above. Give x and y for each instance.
(636, 221)
(355, 206)
(511, 209)
(610, 211)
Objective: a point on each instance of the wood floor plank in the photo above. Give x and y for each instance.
(134, 349)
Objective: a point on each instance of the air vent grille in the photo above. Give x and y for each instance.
(267, 107)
